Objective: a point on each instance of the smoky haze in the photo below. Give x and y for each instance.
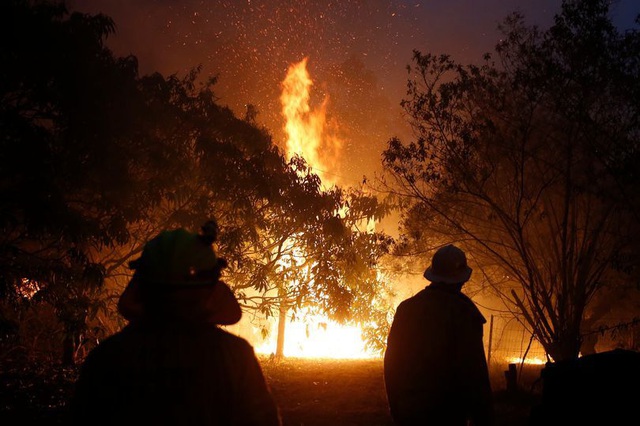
(357, 54)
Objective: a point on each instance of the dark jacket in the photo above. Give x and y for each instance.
(435, 368)
(173, 373)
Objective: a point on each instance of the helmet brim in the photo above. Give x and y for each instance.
(460, 277)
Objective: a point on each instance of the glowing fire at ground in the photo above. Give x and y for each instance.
(529, 361)
(320, 338)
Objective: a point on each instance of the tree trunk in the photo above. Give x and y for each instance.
(69, 349)
(282, 320)
(564, 348)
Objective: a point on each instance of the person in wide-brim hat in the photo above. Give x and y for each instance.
(435, 368)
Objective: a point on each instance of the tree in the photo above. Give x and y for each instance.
(526, 162)
(70, 125)
(296, 252)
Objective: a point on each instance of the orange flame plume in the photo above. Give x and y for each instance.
(306, 128)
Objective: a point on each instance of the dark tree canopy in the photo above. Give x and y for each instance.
(527, 161)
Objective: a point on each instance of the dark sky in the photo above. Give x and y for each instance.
(357, 52)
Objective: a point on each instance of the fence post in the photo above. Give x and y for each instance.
(511, 375)
(490, 339)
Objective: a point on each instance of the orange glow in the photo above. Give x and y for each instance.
(317, 337)
(28, 288)
(306, 128)
(530, 361)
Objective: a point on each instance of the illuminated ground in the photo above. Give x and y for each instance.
(315, 392)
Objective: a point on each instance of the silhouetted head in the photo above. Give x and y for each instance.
(178, 275)
(448, 265)
(180, 258)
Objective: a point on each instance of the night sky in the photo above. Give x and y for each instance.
(357, 52)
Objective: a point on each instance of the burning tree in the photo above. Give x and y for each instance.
(302, 256)
(529, 163)
(310, 249)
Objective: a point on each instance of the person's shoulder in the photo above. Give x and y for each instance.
(226, 335)
(429, 297)
(419, 299)
(110, 341)
(229, 339)
(105, 352)
(471, 309)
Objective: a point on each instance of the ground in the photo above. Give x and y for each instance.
(308, 392)
(329, 392)
(351, 393)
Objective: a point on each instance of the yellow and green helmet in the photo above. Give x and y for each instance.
(180, 258)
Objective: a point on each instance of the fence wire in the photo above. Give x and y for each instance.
(509, 342)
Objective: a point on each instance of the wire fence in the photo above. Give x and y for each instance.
(509, 342)
(513, 351)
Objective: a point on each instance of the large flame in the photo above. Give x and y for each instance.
(306, 128)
